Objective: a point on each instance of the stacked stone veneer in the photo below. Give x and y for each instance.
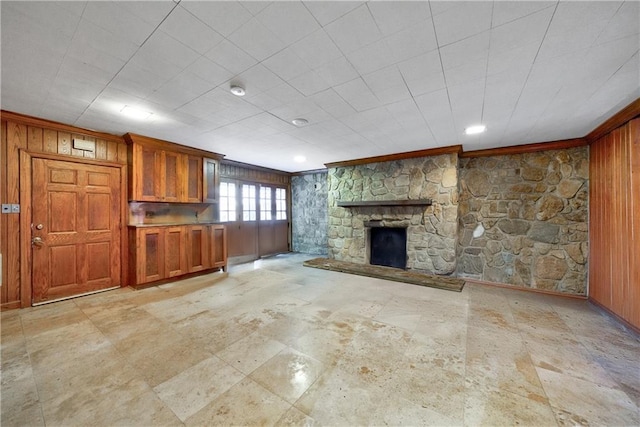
(431, 231)
(523, 219)
(309, 213)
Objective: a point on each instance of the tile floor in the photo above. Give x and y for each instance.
(278, 343)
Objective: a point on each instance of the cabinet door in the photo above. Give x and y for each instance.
(175, 259)
(150, 255)
(193, 175)
(197, 254)
(218, 246)
(146, 174)
(172, 177)
(210, 180)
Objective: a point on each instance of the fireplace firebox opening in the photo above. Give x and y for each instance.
(388, 246)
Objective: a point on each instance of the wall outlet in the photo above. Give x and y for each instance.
(15, 208)
(6, 208)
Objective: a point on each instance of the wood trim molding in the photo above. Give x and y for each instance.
(527, 148)
(615, 316)
(148, 141)
(309, 172)
(254, 167)
(520, 288)
(453, 149)
(628, 113)
(49, 124)
(26, 286)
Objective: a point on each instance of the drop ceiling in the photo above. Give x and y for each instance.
(371, 78)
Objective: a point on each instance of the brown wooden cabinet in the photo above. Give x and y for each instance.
(197, 248)
(210, 179)
(160, 171)
(217, 246)
(163, 252)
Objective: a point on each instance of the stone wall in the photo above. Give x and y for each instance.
(523, 219)
(431, 231)
(309, 213)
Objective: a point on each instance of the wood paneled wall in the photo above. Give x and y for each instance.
(244, 172)
(614, 267)
(20, 132)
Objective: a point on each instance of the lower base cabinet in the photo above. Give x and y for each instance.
(163, 252)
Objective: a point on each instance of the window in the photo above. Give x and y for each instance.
(265, 203)
(227, 201)
(248, 202)
(281, 203)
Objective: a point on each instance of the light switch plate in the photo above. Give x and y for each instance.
(6, 208)
(15, 208)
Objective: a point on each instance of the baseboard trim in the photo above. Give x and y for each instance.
(616, 316)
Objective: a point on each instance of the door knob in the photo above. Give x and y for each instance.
(37, 241)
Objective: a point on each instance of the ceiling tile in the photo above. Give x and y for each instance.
(423, 73)
(411, 42)
(372, 57)
(316, 49)
(354, 30)
(190, 31)
(255, 7)
(472, 50)
(358, 95)
(138, 81)
(509, 11)
(152, 12)
(209, 71)
(387, 85)
(289, 21)
(625, 22)
(527, 30)
(109, 16)
(225, 17)
(231, 57)
(309, 83)
(337, 71)
(255, 39)
(258, 78)
(286, 64)
(463, 19)
(326, 12)
(394, 16)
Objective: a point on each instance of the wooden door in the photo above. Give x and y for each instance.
(172, 178)
(175, 253)
(76, 229)
(273, 236)
(197, 256)
(210, 175)
(151, 265)
(193, 174)
(217, 247)
(146, 176)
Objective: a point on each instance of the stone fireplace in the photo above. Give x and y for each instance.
(419, 195)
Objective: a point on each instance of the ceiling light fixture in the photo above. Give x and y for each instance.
(299, 121)
(473, 130)
(237, 90)
(135, 113)
(299, 159)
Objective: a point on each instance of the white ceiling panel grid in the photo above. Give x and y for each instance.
(371, 78)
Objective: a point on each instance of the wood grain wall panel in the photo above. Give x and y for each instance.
(34, 138)
(614, 270)
(50, 138)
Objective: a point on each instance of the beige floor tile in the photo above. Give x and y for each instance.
(364, 352)
(493, 407)
(194, 388)
(288, 374)
(250, 352)
(246, 403)
(573, 398)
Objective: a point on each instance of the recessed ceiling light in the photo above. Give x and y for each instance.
(237, 90)
(299, 121)
(299, 159)
(472, 130)
(135, 113)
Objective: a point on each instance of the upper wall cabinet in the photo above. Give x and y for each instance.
(161, 171)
